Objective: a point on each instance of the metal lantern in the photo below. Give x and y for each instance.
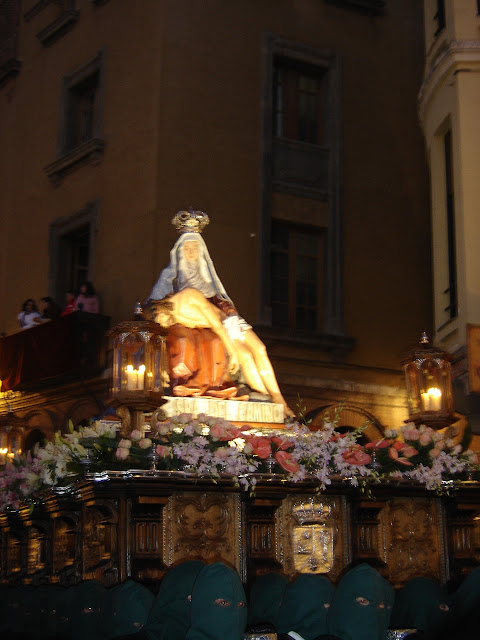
(138, 367)
(429, 385)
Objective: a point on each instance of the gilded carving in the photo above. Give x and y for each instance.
(205, 525)
(312, 534)
(100, 540)
(36, 553)
(64, 544)
(414, 538)
(14, 554)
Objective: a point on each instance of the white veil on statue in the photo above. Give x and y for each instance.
(203, 277)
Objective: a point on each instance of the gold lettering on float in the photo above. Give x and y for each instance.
(237, 411)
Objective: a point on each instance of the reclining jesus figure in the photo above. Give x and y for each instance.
(204, 326)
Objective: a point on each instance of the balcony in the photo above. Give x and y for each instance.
(54, 352)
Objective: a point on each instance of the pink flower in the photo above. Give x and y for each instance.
(286, 461)
(434, 453)
(393, 453)
(261, 447)
(224, 433)
(409, 451)
(405, 462)
(356, 457)
(411, 433)
(122, 453)
(125, 444)
(378, 444)
(163, 427)
(163, 451)
(282, 443)
(424, 439)
(144, 443)
(136, 434)
(221, 453)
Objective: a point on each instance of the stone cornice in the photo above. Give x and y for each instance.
(464, 54)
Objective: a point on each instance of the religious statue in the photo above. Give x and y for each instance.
(208, 342)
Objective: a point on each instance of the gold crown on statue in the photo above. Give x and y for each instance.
(188, 221)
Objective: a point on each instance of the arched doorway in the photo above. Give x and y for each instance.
(348, 418)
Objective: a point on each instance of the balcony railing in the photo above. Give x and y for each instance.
(62, 348)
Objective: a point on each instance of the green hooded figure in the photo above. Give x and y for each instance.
(467, 596)
(361, 605)
(266, 596)
(305, 606)
(422, 604)
(86, 606)
(51, 609)
(169, 617)
(125, 609)
(219, 609)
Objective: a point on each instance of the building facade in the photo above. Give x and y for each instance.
(293, 125)
(448, 99)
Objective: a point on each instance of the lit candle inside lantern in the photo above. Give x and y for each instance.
(135, 378)
(141, 377)
(131, 378)
(432, 399)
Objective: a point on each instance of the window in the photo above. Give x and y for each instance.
(82, 111)
(439, 17)
(81, 119)
(301, 267)
(295, 277)
(451, 290)
(298, 101)
(9, 60)
(72, 251)
(76, 247)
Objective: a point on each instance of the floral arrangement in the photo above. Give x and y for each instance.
(213, 447)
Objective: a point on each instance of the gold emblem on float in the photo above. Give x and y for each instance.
(312, 537)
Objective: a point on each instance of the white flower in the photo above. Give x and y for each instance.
(144, 443)
(391, 433)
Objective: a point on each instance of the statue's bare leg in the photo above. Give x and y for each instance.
(264, 368)
(249, 368)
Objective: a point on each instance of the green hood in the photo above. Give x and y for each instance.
(169, 617)
(86, 606)
(266, 596)
(50, 609)
(305, 606)
(423, 604)
(125, 609)
(361, 606)
(219, 610)
(467, 596)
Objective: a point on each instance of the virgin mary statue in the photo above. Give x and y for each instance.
(207, 340)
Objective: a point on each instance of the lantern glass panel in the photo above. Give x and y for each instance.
(132, 362)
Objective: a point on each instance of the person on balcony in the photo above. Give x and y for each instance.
(87, 299)
(49, 310)
(28, 314)
(69, 304)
